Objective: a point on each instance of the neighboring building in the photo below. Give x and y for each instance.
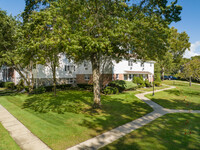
(69, 73)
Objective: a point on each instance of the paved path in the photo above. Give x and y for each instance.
(22, 136)
(114, 134)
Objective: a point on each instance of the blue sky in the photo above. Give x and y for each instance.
(190, 20)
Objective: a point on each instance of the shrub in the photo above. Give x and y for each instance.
(157, 77)
(120, 84)
(147, 83)
(39, 90)
(85, 86)
(20, 85)
(9, 85)
(157, 83)
(139, 81)
(111, 90)
(130, 85)
(2, 84)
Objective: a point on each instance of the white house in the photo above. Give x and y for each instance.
(69, 72)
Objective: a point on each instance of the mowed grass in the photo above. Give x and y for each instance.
(6, 142)
(68, 119)
(182, 97)
(170, 132)
(148, 89)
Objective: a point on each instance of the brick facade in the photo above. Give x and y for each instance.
(104, 79)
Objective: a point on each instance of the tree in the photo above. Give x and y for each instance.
(13, 48)
(48, 35)
(112, 28)
(191, 70)
(178, 44)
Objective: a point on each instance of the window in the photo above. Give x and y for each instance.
(117, 76)
(130, 63)
(74, 68)
(65, 68)
(150, 64)
(87, 77)
(142, 64)
(71, 80)
(86, 68)
(125, 77)
(85, 64)
(130, 77)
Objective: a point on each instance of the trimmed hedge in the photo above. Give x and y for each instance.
(86, 86)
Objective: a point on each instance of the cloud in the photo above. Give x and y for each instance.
(194, 50)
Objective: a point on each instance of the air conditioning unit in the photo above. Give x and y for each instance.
(70, 72)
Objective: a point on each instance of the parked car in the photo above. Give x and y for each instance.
(166, 77)
(172, 78)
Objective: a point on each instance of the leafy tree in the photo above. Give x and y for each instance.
(178, 44)
(13, 48)
(45, 31)
(191, 70)
(112, 28)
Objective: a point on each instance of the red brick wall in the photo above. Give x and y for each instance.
(104, 79)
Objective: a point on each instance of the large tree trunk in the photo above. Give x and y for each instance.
(190, 84)
(96, 81)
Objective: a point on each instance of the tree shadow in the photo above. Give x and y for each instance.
(168, 132)
(65, 101)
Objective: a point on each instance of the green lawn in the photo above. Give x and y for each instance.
(164, 133)
(6, 142)
(182, 97)
(68, 119)
(148, 89)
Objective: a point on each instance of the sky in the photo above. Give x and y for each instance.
(190, 21)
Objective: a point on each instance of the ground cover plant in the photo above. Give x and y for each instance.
(181, 97)
(171, 131)
(6, 142)
(68, 118)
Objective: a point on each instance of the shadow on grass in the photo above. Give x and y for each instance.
(168, 132)
(7, 92)
(116, 109)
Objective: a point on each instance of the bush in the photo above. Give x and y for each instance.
(147, 83)
(63, 86)
(20, 85)
(85, 86)
(157, 77)
(130, 85)
(111, 90)
(139, 81)
(9, 85)
(157, 83)
(2, 84)
(120, 84)
(39, 90)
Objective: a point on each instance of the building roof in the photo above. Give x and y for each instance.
(138, 72)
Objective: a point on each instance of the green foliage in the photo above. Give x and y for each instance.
(191, 69)
(157, 77)
(130, 85)
(9, 85)
(157, 83)
(119, 84)
(2, 84)
(39, 90)
(139, 81)
(110, 90)
(147, 83)
(86, 86)
(20, 85)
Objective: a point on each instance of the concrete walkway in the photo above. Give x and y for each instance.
(110, 136)
(22, 136)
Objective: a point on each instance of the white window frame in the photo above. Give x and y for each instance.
(117, 76)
